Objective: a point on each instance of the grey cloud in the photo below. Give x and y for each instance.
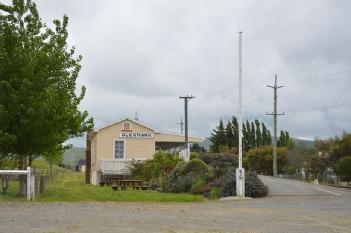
(141, 55)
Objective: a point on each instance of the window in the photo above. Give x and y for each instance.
(119, 149)
(126, 126)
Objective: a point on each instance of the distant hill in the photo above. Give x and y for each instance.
(297, 141)
(73, 155)
(303, 142)
(205, 144)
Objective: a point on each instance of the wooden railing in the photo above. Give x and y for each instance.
(114, 167)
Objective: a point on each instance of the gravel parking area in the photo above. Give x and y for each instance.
(270, 214)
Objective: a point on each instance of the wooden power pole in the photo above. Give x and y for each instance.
(275, 114)
(186, 145)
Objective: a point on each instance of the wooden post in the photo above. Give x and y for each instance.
(88, 157)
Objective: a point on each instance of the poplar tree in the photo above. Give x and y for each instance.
(245, 141)
(258, 134)
(266, 135)
(235, 131)
(253, 135)
(229, 135)
(247, 134)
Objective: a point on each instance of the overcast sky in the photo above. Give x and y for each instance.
(142, 55)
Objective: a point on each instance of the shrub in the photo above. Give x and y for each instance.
(220, 162)
(154, 184)
(253, 185)
(197, 167)
(343, 166)
(215, 193)
(177, 182)
(185, 175)
(290, 169)
(200, 186)
(194, 155)
(160, 165)
(260, 159)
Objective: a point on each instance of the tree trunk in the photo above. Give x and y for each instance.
(22, 180)
(30, 160)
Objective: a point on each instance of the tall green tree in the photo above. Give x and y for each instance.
(229, 135)
(253, 135)
(245, 140)
(218, 137)
(341, 146)
(235, 131)
(258, 134)
(38, 72)
(281, 139)
(266, 135)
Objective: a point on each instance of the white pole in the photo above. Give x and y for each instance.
(28, 183)
(240, 172)
(240, 103)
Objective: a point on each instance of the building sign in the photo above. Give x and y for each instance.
(136, 135)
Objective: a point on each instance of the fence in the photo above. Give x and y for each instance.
(36, 178)
(326, 178)
(115, 167)
(333, 179)
(30, 179)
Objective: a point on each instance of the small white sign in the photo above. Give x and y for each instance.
(136, 135)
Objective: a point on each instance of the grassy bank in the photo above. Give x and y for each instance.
(70, 187)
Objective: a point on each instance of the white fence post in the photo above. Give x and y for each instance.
(32, 187)
(28, 183)
(22, 172)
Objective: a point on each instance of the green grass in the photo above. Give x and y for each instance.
(11, 193)
(70, 187)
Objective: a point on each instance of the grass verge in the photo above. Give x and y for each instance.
(70, 187)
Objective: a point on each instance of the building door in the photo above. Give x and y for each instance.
(119, 150)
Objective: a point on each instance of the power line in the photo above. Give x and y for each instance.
(322, 77)
(251, 93)
(315, 67)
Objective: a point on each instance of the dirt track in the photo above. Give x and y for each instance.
(271, 214)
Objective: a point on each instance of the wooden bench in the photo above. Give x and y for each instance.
(124, 184)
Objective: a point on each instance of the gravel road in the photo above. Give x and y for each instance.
(271, 214)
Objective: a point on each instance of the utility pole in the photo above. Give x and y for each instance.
(181, 125)
(275, 114)
(240, 172)
(186, 145)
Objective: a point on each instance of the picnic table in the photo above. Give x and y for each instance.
(135, 184)
(129, 183)
(110, 179)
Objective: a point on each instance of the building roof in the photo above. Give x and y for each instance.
(144, 125)
(129, 119)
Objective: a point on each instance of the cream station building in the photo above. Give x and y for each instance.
(111, 148)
